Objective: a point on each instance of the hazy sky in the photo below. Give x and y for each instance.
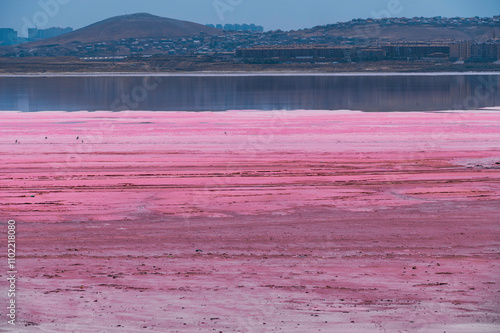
(272, 14)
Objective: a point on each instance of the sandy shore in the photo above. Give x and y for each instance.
(301, 221)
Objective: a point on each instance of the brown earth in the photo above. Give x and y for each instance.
(396, 33)
(49, 65)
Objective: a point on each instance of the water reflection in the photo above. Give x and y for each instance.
(219, 93)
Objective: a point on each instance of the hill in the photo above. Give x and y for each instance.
(129, 26)
(407, 30)
(148, 35)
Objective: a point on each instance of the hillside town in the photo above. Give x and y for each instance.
(249, 43)
(430, 21)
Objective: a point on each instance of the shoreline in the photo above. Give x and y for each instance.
(176, 65)
(485, 110)
(237, 74)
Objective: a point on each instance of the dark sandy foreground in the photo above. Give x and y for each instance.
(252, 222)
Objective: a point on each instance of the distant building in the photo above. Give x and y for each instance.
(7, 36)
(370, 54)
(295, 52)
(34, 33)
(238, 27)
(416, 51)
(484, 52)
(467, 50)
(460, 50)
(311, 53)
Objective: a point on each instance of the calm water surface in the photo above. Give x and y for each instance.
(262, 92)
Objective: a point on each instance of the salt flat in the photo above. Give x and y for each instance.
(250, 221)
